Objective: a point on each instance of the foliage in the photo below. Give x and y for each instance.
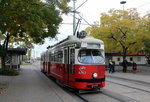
(146, 33)
(61, 4)
(121, 31)
(9, 72)
(26, 64)
(29, 21)
(25, 57)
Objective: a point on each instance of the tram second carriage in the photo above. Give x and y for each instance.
(77, 63)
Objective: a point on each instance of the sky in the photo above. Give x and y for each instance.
(90, 11)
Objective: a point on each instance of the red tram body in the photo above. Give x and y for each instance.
(77, 63)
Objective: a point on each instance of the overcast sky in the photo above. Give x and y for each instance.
(91, 11)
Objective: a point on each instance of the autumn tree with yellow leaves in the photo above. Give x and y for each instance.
(121, 30)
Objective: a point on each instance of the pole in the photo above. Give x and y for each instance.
(74, 15)
(74, 19)
(123, 2)
(123, 7)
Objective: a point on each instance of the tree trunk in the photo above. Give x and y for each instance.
(124, 53)
(5, 46)
(3, 62)
(124, 63)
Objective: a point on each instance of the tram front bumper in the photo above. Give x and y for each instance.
(89, 83)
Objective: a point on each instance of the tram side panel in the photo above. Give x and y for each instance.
(42, 62)
(46, 62)
(49, 62)
(49, 65)
(41, 65)
(45, 66)
(56, 70)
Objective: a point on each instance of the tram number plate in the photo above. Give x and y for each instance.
(94, 86)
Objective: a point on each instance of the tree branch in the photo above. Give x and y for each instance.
(112, 36)
(132, 43)
(124, 33)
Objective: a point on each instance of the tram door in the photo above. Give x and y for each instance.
(66, 62)
(69, 56)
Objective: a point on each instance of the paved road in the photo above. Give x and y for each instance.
(132, 85)
(32, 86)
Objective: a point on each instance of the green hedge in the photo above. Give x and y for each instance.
(8, 71)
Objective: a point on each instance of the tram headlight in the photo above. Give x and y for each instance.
(95, 75)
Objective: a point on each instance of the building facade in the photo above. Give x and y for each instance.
(14, 57)
(140, 59)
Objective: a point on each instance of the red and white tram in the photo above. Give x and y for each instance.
(77, 63)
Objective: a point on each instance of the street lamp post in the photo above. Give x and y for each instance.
(123, 2)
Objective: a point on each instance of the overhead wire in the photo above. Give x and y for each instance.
(143, 5)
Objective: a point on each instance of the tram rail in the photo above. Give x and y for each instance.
(129, 86)
(131, 80)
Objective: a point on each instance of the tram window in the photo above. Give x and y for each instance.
(52, 59)
(131, 59)
(85, 56)
(97, 56)
(44, 58)
(90, 56)
(60, 56)
(65, 59)
(55, 57)
(72, 60)
(72, 56)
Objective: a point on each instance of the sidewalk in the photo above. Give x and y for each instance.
(32, 86)
(4, 83)
(142, 74)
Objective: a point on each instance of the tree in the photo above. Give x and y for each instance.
(146, 32)
(30, 21)
(120, 30)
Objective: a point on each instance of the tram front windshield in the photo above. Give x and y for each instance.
(90, 56)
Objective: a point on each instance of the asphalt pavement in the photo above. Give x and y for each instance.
(32, 86)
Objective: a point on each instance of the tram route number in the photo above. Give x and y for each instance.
(82, 70)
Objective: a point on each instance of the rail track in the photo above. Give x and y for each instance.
(131, 80)
(100, 95)
(136, 82)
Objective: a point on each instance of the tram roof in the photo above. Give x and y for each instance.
(74, 39)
